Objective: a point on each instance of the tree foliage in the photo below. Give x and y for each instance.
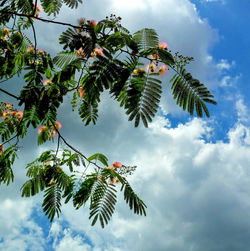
(107, 57)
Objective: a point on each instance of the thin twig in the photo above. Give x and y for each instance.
(43, 20)
(10, 94)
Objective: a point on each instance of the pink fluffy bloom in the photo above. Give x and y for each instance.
(38, 9)
(109, 167)
(81, 92)
(5, 114)
(53, 133)
(138, 71)
(8, 106)
(41, 51)
(19, 115)
(163, 70)
(163, 45)
(1, 149)
(48, 163)
(41, 129)
(151, 68)
(30, 49)
(80, 53)
(98, 51)
(47, 81)
(81, 21)
(6, 32)
(92, 23)
(58, 125)
(117, 164)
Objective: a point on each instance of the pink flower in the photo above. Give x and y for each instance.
(163, 45)
(8, 106)
(98, 51)
(47, 81)
(53, 133)
(41, 129)
(1, 149)
(5, 114)
(6, 32)
(81, 21)
(30, 49)
(58, 125)
(138, 71)
(38, 9)
(41, 51)
(14, 113)
(163, 70)
(109, 167)
(117, 164)
(81, 92)
(155, 56)
(80, 53)
(19, 115)
(92, 23)
(48, 163)
(151, 68)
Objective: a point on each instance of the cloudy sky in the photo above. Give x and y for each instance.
(193, 174)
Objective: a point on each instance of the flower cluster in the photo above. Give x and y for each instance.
(1, 149)
(50, 130)
(81, 92)
(38, 10)
(114, 166)
(47, 81)
(153, 66)
(9, 112)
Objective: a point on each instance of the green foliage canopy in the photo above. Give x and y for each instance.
(107, 57)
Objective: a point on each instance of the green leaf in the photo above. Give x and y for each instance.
(99, 157)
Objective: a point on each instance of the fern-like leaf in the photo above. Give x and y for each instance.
(65, 58)
(190, 94)
(144, 94)
(51, 6)
(52, 201)
(102, 202)
(146, 38)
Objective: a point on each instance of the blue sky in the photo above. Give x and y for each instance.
(193, 174)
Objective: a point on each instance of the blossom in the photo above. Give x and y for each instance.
(5, 114)
(81, 92)
(109, 167)
(92, 23)
(14, 113)
(163, 45)
(80, 53)
(81, 21)
(151, 67)
(8, 106)
(98, 51)
(47, 81)
(41, 51)
(52, 134)
(58, 125)
(48, 163)
(41, 129)
(1, 149)
(163, 70)
(30, 49)
(117, 164)
(19, 115)
(138, 71)
(6, 32)
(38, 9)
(155, 56)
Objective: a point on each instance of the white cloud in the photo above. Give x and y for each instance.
(197, 191)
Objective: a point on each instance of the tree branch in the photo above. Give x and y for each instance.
(10, 94)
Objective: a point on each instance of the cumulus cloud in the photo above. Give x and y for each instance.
(197, 191)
